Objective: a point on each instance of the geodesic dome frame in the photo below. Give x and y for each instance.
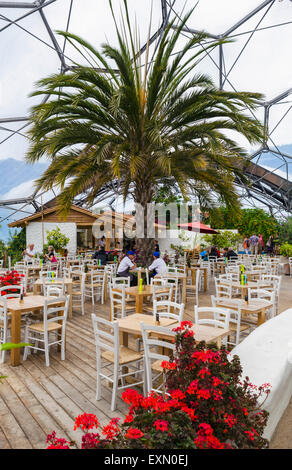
(270, 187)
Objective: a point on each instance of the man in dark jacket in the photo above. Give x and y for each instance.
(229, 253)
(101, 255)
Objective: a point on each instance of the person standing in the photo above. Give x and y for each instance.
(270, 245)
(260, 244)
(246, 245)
(254, 240)
(124, 268)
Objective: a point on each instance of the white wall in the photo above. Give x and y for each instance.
(266, 357)
(34, 234)
(172, 237)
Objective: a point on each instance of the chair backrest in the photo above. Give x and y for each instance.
(55, 291)
(13, 291)
(181, 268)
(263, 294)
(234, 317)
(167, 309)
(117, 281)
(106, 337)
(3, 311)
(171, 269)
(223, 290)
(159, 296)
(158, 281)
(151, 344)
(220, 316)
(118, 302)
(56, 313)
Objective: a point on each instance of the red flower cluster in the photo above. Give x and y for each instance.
(56, 443)
(112, 429)
(134, 433)
(160, 425)
(12, 278)
(86, 421)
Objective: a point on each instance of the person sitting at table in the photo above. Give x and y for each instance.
(204, 255)
(229, 253)
(100, 254)
(213, 252)
(124, 268)
(29, 253)
(158, 266)
(51, 255)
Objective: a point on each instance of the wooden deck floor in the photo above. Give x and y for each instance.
(35, 399)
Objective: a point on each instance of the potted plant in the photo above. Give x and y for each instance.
(285, 254)
(58, 240)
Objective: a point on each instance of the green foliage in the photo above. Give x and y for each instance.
(256, 221)
(16, 244)
(57, 239)
(286, 250)
(166, 195)
(223, 239)
(247, 222)
(223, 217)
(285, 232)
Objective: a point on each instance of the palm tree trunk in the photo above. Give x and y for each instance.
(143, 196)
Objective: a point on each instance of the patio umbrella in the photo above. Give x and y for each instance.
(197, 227)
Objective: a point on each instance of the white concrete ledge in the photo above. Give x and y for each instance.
(266, 356)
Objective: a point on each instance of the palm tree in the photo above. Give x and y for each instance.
(143, 125)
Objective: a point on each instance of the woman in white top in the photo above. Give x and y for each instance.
(158, 266)
(124, 268)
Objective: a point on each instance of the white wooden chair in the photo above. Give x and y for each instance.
(54, 291)
(223, 290)
(190, 288)
(119, 306)
(236, 326)
(5, 325)
(264, 294)
(152, 357)
(173, 280)
(53, 282)
(78, 289)
(116, 357)
(167, 309)
(215, 316)
(53, 324)
(94, 289)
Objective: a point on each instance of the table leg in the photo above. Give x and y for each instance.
(193, 273)
(184, 290)
(15, 337)
(205, 280)
(124, 339)
(139, 304)
(261, 317)
(70, 300)
(105, 288)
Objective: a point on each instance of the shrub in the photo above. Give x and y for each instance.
(207, 406)
(57, 239)
(286, 249)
